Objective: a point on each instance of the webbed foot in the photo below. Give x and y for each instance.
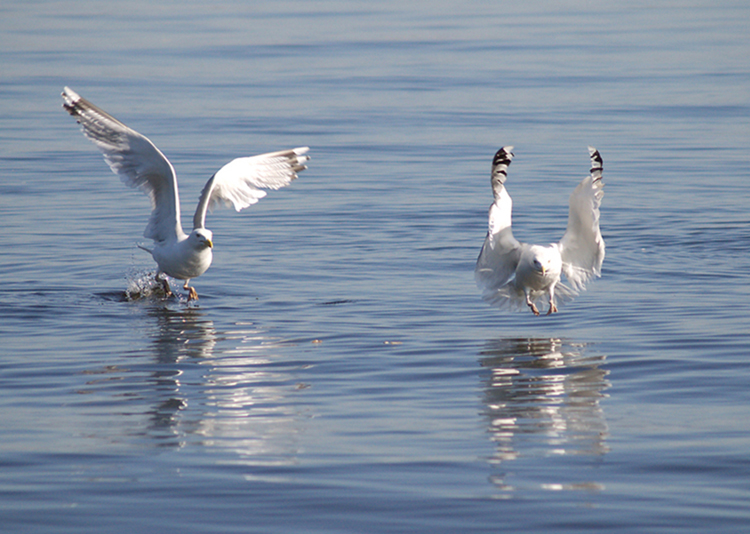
(192, 293)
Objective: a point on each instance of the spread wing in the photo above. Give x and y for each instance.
(501, 251)
(240, 182)
(582, 245)
(136, 160)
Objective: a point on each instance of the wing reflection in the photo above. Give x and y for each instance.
(247, 393)
(230, 390)
(179, 336)
(181, 333)
(542, 400)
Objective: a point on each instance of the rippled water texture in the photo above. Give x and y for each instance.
(340, 372)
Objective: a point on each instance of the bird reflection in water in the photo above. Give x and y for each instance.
(542, 400)
(196, 385)
(180, 335)
(236, 383)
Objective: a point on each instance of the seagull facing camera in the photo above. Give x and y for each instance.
(511, 273)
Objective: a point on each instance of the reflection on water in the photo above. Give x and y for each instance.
(542, 401)
(196, 385)
(248, 389)
(181, 333)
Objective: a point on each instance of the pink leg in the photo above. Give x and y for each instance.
(531, 305)
(192, 293)
(552, 307)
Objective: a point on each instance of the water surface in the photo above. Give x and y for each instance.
(340, 372)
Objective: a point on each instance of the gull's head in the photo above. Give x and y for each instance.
(540, 265)
(546, 260)
(202, 238)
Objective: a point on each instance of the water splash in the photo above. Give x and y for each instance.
(142, 285)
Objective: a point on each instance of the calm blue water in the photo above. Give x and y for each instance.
(340, 372)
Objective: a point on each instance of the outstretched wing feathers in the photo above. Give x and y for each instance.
(240, 182)
(501, 251)
(135, 159)
(581, 248)
(582, 245)
(499, 257)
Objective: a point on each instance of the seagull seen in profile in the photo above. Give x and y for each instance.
(140, 164)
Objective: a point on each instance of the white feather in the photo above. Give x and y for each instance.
(139, 163)
(514, 274)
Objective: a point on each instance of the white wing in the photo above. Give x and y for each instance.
(501, 251)
(136, 160)
(582, 245)
(239, 182)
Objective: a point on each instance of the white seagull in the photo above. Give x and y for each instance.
(140, 164)
(513, 273)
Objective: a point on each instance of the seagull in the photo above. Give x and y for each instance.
(511, 273)
(140, 164)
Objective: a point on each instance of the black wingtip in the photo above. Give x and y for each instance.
(596, 159)
(503, 156)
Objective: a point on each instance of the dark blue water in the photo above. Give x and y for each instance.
(340, 372)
